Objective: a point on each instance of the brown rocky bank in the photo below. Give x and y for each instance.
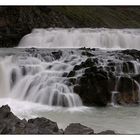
(11, 124)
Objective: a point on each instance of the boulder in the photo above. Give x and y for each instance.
(45, 126)
(10, 124)
(107, 132)
(93, 87)
(77, 128)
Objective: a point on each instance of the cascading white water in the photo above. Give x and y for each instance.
(131, 68)
(34, 80)
(85, 37)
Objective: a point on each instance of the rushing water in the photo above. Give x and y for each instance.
(29, 78)
(124, 120)
(34, 84)
(93, 38)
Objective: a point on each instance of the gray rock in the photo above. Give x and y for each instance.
(10, 124)
(77, 128)
(107, 132)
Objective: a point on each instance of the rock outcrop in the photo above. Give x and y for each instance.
(11, 124)
(77, 128)
(107, 76)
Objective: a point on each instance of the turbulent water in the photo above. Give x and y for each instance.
(34, 79)
(93, 38)
(34, 82)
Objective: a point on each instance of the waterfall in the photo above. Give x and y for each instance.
(120, 86)
(40, 75)
(31, 79)
(85, 37)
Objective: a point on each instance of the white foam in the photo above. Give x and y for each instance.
(84, 37)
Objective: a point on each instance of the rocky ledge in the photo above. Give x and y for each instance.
(11, 124)
(108, 76)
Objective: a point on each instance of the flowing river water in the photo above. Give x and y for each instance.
(34, 85)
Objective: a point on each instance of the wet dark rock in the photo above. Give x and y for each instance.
(134, 53)
(99, 78)
(65, 74)
(72, 81)
(92, 86)
(10, 124)
(128, 91)
(136, 77)
(77, 67)
(107, 132)
(32, 50)
(77, 128)
(71, 74)
(90, 62)
(87, 54)
(57, 54)
(44, 125)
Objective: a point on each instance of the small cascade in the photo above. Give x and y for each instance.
(127, 68)
(127, 90)
(113, 98)
(138, 86)
(4, 79)
(115, 92)
(30, 79)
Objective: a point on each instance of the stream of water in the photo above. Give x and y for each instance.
(34, 85)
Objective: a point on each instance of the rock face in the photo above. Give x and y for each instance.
(77, 128)
(93, 87)
(106, 77)
(17, 21)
